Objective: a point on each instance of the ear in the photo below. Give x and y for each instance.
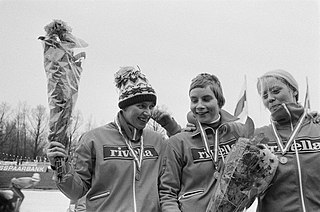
(295, 95)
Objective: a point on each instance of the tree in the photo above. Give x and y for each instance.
(38, 129)
(76, 122)
(4, 114)
(5, 127)
(89, 124)
(24, 131)
(21, 133)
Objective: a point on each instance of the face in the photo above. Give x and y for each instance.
(275, 92)
(204, 104)
(138, 114)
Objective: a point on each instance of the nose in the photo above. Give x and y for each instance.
(200, 105)
(147, 112)
(271, 98)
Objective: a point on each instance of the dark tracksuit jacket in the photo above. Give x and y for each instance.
(187, 182)
(286, 193)
(106, 170)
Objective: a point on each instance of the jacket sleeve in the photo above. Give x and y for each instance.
(171, 126)
(241, 130)
(169, 185)
(76, 182)
(22, 182)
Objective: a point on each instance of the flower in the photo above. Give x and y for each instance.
(57, 27)
(247, 172)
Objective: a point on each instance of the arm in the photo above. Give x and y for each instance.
(169, 182)
(54, 150)
(73, 183)
(163, 118)
(22, 182)
(240, 130)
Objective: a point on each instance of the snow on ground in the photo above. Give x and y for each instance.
(55, 201)
(44, 201)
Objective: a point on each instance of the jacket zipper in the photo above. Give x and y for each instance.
(100, 195)
(299, 174)
(190, 194)
(134, 188)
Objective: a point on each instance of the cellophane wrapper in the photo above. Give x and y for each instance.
(247, 172)
(63, 70)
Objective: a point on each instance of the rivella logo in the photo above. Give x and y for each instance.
(200, 154)
(123, 152)
(305, 145)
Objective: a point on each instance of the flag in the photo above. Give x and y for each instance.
(307, 98)
(241, 110)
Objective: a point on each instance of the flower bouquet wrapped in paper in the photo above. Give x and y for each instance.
(247, 172)
(63, 70)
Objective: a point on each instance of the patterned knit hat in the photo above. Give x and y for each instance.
(133, 87)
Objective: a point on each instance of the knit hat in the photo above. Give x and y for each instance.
(280, 74)
(133, 87)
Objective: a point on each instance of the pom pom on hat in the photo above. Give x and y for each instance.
(279, 73)
(133, 87)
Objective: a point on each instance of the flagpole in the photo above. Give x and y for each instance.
(307, 97)
(245, 84)
(241, 103)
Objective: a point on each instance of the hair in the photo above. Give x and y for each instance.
(261, 82)
(282, 76)
(203, 80)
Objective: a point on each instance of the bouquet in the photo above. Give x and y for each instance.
(63, 70)
(248, 170)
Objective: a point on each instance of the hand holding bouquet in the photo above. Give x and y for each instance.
(248, 170)
(63, 70)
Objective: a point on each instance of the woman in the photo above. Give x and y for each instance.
(295, 138)
(118, 164)
(193, 159)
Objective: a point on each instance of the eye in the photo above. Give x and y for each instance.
(207, 98)
(276, 91)
(265, 95)
(194, 100)
(140, 106)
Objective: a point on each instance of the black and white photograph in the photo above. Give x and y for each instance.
(160, 105)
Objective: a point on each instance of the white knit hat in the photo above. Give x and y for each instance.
(280, 74)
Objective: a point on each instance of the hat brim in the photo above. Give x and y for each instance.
(137, 99)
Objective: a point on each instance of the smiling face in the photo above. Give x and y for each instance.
(204, 104)
(275, 92)
(138, 114)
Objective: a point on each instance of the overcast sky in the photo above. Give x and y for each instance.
(171, 41)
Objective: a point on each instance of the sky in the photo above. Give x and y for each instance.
(171, 41)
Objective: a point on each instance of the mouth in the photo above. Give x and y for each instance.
(201, 113)
(144, 119)
(274, 107)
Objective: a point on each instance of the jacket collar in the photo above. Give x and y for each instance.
(225, 118)
(128, 130)
(287, 113)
